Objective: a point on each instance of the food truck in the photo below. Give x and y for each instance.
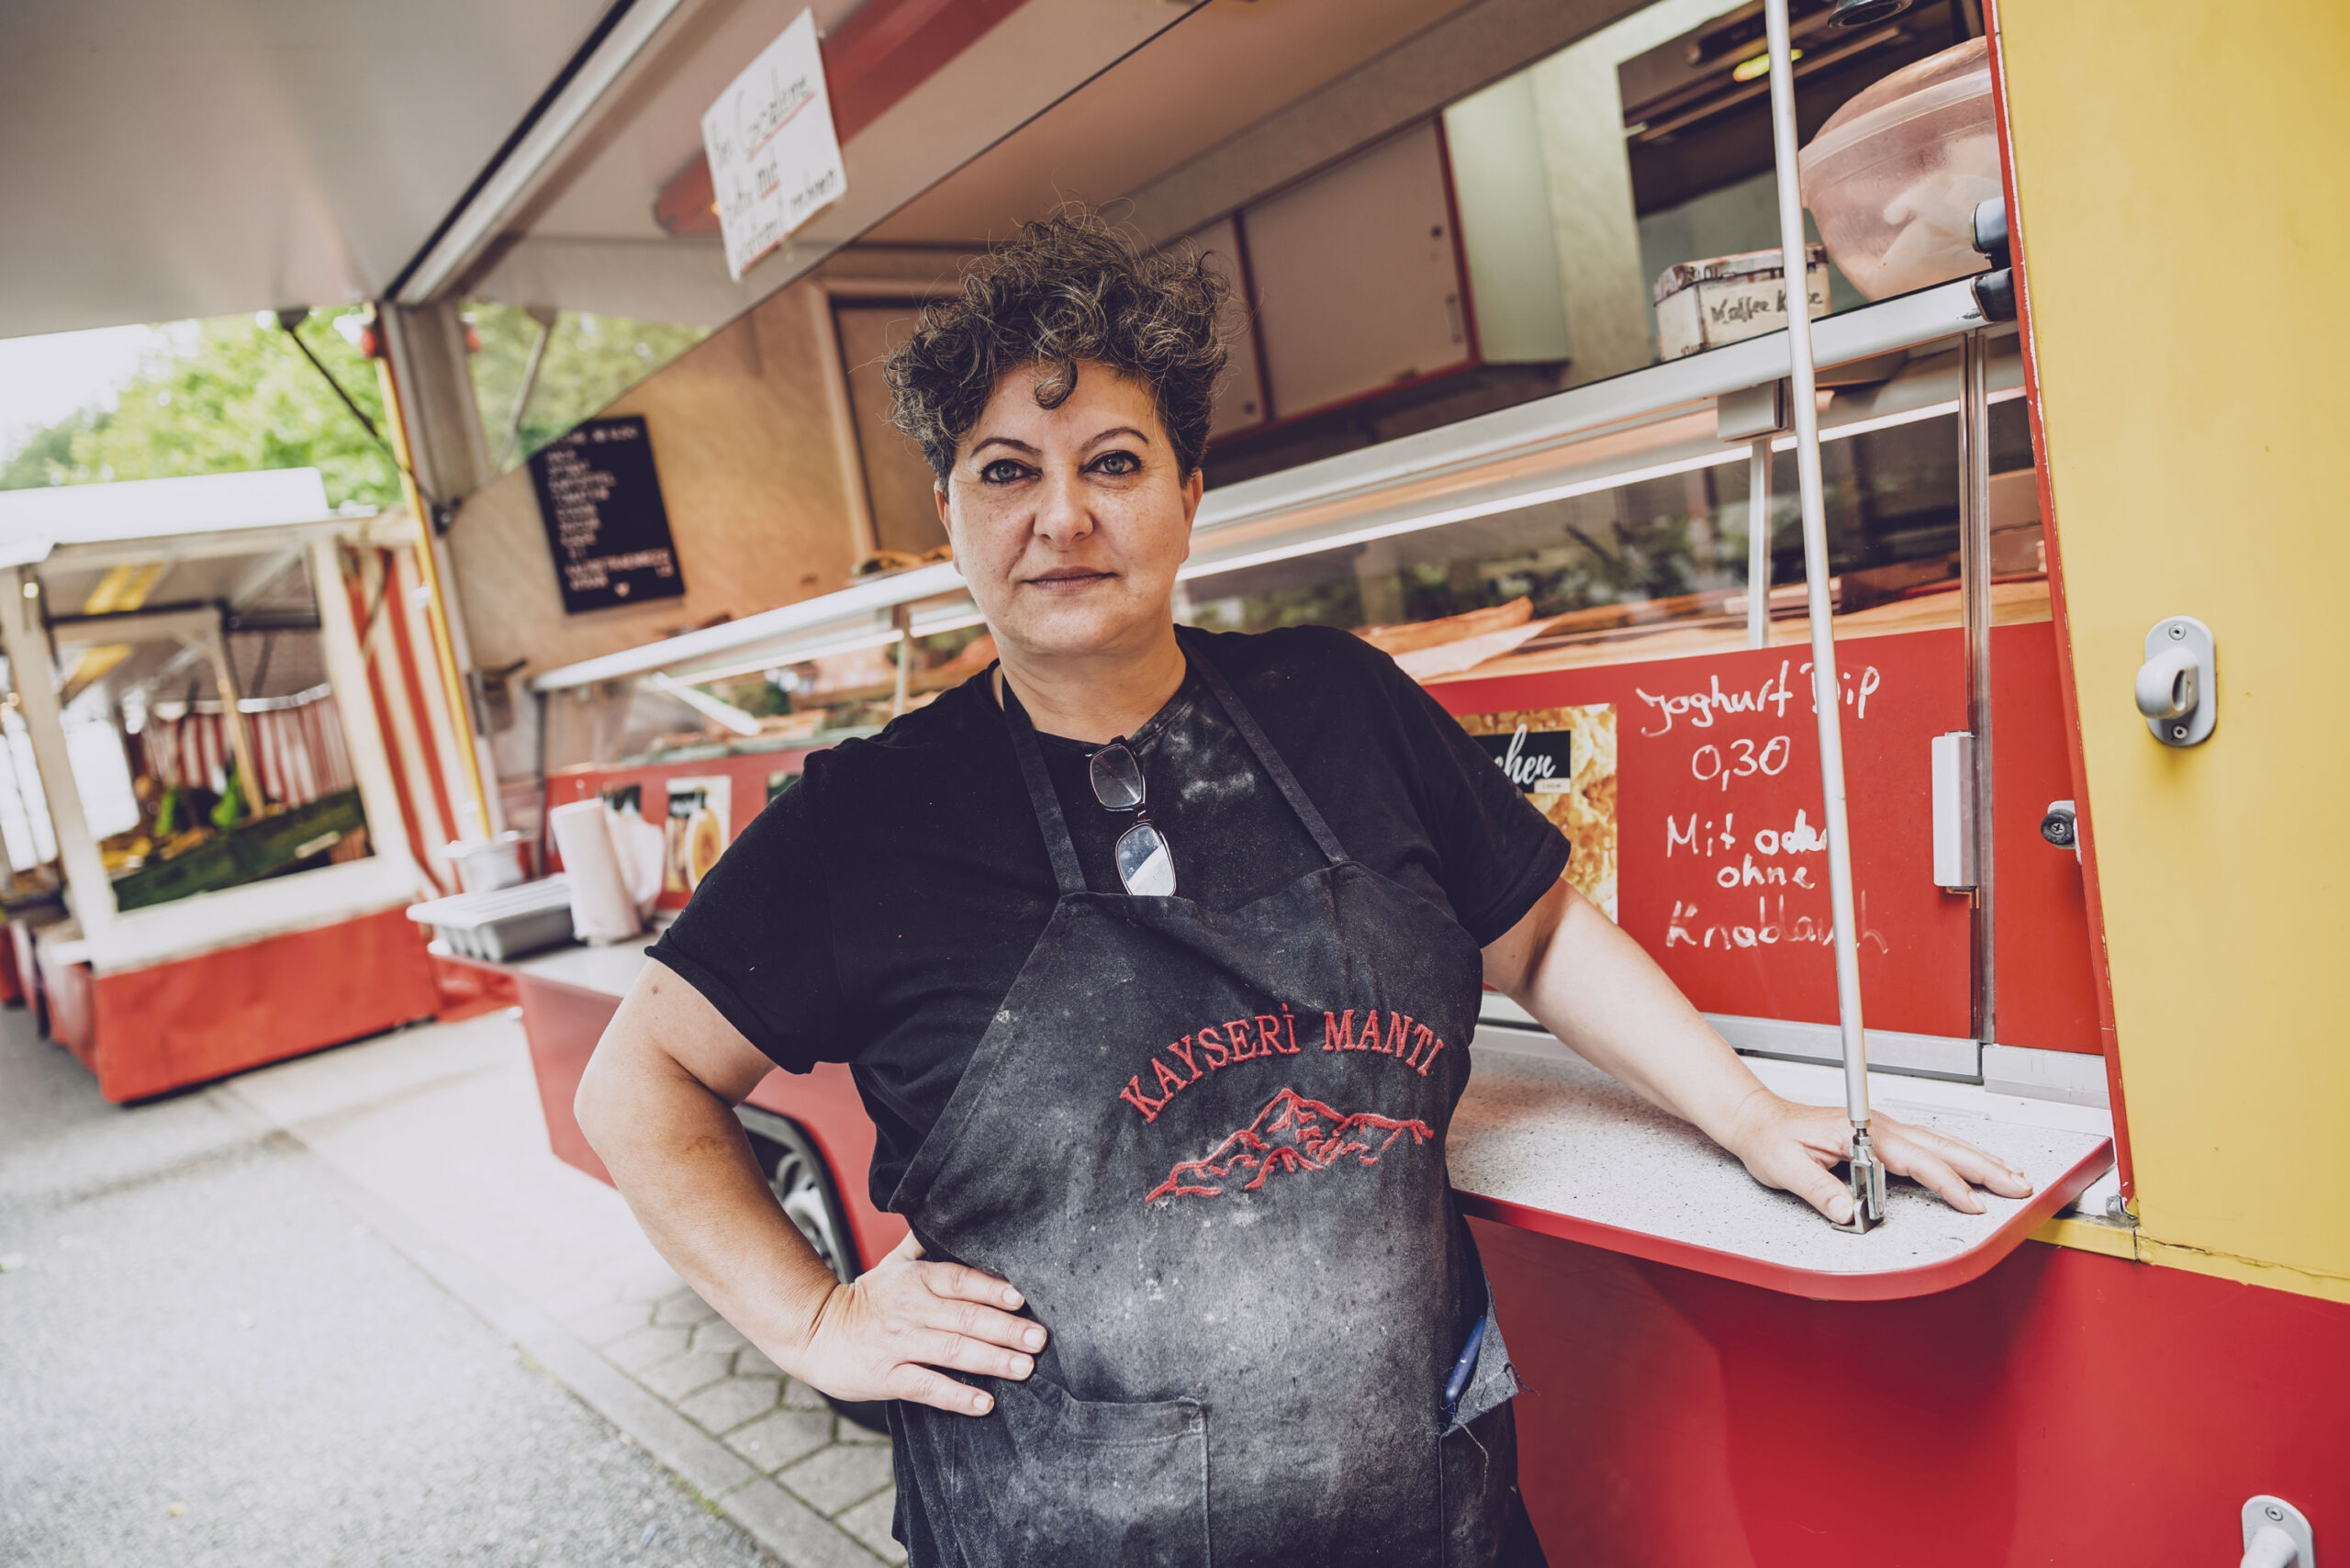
(2065, 540)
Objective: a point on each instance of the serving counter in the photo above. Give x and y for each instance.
(1541, 1142)
(1546, 1142)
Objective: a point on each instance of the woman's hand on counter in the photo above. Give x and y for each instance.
(884, 1336)
(1595, 988)
(1791, 1146)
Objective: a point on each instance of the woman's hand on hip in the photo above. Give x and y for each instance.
(1791, 1146)
(885, 1336)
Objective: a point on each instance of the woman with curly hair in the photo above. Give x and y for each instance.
(1156, 955)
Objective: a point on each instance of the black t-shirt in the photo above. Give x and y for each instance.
(877, 912)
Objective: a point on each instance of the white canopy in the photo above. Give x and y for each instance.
(200, 159)
(214, 157)
(33, 522)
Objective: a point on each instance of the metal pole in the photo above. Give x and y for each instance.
(902, 618)
(1868, 1176)
(427, 570)
(1975, 582)
(1758, 543)
(215, 645)
(545, 317)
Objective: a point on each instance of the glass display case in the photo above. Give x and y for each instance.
(1640, 546)
(1604, 524)
(788, 691)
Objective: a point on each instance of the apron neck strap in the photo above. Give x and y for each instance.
(1041, 794)
(1047, 802)
(1267, 757)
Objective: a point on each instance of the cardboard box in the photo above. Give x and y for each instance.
(1703, 305)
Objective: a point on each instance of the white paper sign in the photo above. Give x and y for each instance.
(774, 159)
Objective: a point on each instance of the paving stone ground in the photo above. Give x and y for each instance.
(783, 1429)
(435, 1134)
(207, 1358)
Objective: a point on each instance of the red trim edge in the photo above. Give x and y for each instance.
(1814, 1284)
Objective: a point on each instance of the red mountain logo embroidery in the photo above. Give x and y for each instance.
(1292, 1134)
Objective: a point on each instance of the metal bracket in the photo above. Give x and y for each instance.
(2272, 1518)
(1865, 1177)
(1752, 411)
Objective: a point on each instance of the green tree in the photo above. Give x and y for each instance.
(228, 396)
(47, 458)
(590, 360)
(231, 394)
(239, 397)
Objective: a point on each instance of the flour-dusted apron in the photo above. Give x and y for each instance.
(1209, 1148)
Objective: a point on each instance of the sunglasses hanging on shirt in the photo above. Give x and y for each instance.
(1145, 865)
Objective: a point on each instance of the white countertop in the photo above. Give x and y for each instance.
(1542, 1132)
(610, 969)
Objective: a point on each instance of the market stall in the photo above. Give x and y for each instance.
(202, 733)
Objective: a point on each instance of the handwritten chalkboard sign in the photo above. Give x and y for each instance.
(600, 503)
(1695, 802)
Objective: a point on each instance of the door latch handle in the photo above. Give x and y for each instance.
(2177, 687)
(2168, 683)
(1952, 758)
(2277, 1535)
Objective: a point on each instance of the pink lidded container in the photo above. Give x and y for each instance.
(1894, 177)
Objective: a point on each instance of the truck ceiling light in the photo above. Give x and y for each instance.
(1748, 70)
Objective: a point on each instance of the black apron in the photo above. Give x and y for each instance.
(1209, 1150)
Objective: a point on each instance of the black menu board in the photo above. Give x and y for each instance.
(600, 503)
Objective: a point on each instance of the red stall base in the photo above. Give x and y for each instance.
(563, 1021)
(468, 990)
(2065, 1408)
(147, 1031)
(12, 985)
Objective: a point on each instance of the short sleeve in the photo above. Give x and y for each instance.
(756, 938)
(1499, 854)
